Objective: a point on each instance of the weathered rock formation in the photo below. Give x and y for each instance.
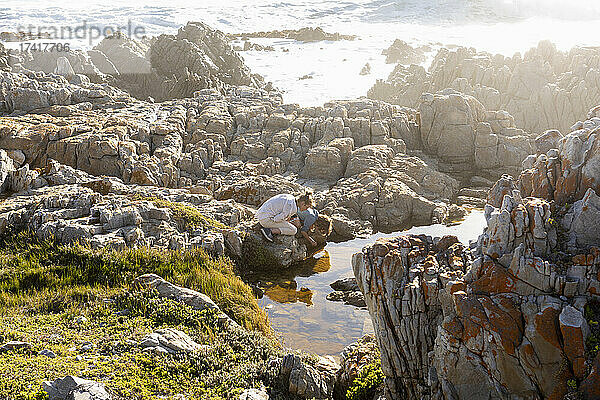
(165, 67)
(402, 53)
(244, 146)
(509, 318)
(543, 89)
(53, 94)
(457, 129)
(4, 60)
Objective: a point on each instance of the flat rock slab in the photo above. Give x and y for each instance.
(169, 340)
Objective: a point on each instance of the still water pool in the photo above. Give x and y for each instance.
(296, 300)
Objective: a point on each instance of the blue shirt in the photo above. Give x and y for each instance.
(308, 218)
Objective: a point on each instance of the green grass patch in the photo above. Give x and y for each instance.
(189, 215)
(31, 267)
(367, 383)
(45, 286)
(233, 359)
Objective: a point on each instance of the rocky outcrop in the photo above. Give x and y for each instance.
(347, 290)
(459, 131)
(507, 318)
(543, 89)
(307, 34)
(199, 57)
(244, 146)
(53, 94)
(4, 59)
(565, 172)
(74, 212)
(165, 67)
(402, 53)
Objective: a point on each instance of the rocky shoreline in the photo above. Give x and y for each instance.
(511, 317)
(171, 143)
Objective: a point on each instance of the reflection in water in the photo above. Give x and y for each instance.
(306, 319)
(286, 292)
(280, 290)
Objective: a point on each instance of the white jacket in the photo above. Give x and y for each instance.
(278, 208)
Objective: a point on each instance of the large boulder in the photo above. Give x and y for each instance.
(369, 158)
(457, 129)
(582, 221)
(449, 124)
(324, 163)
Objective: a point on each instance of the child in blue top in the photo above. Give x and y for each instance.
(306, 219)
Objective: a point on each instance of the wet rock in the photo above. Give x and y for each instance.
(306, 34)
(347, 290)
(365, 70)
(401, 52)
(349, 229)
(354, 298)
(345, 284)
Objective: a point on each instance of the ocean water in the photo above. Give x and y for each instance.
(498, 26)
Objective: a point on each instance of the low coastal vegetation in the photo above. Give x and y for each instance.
(189, 215)
(368, 382)
(79, 305)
